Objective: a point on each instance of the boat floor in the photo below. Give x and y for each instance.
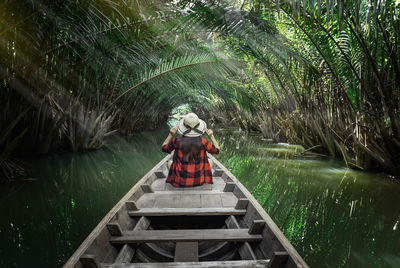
(213, 225)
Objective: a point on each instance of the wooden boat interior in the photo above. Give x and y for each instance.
(212, 225)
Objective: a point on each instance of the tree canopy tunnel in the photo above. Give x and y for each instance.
(320, 73)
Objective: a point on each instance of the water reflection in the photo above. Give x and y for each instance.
(334, 216)
(46, 220)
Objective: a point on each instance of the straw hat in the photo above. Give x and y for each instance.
(191, 125)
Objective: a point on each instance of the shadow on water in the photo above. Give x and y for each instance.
(335, 217)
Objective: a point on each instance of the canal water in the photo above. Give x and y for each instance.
(334, 216)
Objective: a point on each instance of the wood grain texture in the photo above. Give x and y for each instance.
(246, 252)
(210, 201)
(147, 188)
(278, 260)
(186, 192)
(218, 173)
(131, 205)
(114, 229)
(206, 264)
(89, 261)
(142, 224)
(242, 203)
(125, 255)
(232, 223)
(186, 211)
(190, 201)
(146, 201)
(257, 227)
(228, 200)
(229, 186)
(158, 185)
(166, 201)
(215, 235)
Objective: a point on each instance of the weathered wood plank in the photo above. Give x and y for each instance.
(218, 187)
(114, 229)
(246, 252)
(215, 235)
(152, 178)
(238, 192)
(186, 251)
(205, 264)
(205, 186)
(278, 260)
(229, 186)
(251, 215)
(225, 177)
(228, 200)
(131, 205)
(210, 201)
(232, 223)
(89, 261)
(146, 201)
(190, 201)
(186, 192)
(161, 173)
(257, 227)
(218, 180)
(218, 173)
(167, 201)
(242, 203)
(125, 255)
(158, 185)
(147, 188)
(186, 211)
(142, 224)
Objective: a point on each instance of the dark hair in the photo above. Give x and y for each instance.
(190, 147)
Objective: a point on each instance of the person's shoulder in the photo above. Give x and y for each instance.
(204, 140)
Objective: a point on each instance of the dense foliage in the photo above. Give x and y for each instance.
(336, 88)
(75, 72)
(321, 73)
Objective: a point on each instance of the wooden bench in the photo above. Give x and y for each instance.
(206, 264)
(186, 211)
(215, 235)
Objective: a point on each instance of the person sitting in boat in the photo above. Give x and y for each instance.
(190, 165)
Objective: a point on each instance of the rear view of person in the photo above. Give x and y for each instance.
(190, 165)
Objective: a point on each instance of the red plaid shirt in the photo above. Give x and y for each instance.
(185, 174)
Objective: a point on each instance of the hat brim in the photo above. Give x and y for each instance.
(181, 129)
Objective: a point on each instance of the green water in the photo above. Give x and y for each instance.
(334, 217)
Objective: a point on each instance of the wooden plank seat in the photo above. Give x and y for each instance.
(182, 199)
(206, 264)
(206, 192)
(216, 235)
(187, 211)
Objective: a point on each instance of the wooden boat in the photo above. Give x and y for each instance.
(212, 225)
